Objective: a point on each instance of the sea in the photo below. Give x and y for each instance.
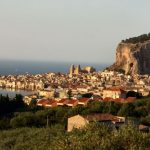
(12, 93)
(11, 67)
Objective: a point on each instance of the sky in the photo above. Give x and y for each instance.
(69, 30)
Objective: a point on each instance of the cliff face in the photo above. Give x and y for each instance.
(133, 58)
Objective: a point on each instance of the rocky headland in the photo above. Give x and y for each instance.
(133, 56)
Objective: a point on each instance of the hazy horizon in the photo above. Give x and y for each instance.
(16, 67)
(69, 30)
(55, 61)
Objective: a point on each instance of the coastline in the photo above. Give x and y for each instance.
(12, 92)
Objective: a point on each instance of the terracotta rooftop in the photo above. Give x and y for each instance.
(42, 101)
(130, 99)
(108, 99)
(46, 102)
(101, 117)
(72, 101)
(51, 102)
(82, 100)
(63, 100)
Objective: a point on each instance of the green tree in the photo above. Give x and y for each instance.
(69, 93)
(126, 110)
(33, 105)
(146, 120)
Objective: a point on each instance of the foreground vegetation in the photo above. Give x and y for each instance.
(93, 137)
(36, 128)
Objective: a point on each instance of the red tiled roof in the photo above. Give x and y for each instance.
(108, 99)
(51, 102)
(119, 100)
(114, 100)
(42, 101)
(72, 101)
(84, 100)
(117, 89)
(63, 101)
(101, 117)
(45, 102)
(130, 98)
(96, 99)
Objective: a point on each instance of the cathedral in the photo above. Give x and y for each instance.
(76, 70)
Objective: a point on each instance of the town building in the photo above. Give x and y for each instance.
(114, 93)
(80, 121)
